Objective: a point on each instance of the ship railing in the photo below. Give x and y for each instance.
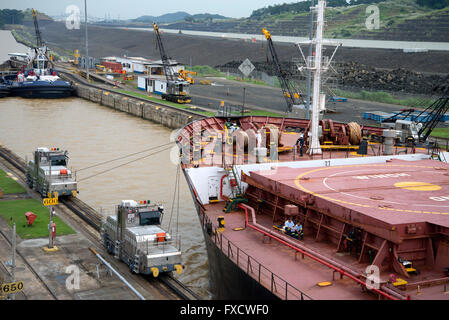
(257, 271)
(252, 267)
(154, 246)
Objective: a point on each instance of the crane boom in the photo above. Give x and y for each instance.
(291, 95)
(435, 111)
(39, 41)
(165, 61)
(177, 89)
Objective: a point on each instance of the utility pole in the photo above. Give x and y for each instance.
(87, 47)
(50, 226)
(309, 73)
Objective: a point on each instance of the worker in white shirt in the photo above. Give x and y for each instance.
(289, 224)
(298, 229)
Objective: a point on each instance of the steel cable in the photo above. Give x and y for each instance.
(124, 164)
(123, 157)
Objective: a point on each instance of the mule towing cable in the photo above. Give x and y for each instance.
(167, 145)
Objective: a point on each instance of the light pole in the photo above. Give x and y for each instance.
(87, 47)
(13, 257)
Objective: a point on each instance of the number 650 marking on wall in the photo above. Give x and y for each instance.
(12, 287)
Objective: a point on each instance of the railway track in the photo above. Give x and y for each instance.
(30, 267)
(167, 284)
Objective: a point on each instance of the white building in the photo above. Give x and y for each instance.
(155, 81)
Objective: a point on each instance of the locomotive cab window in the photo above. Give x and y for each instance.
(150, 218)
(58, 161)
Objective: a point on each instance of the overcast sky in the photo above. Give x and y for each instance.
(128, 9)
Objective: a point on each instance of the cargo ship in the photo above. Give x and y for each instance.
(297, 209)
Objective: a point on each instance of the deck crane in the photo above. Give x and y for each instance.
(291, 94)
(39, 58)
(177, 89)
(39, 41)
(421, 124)
(435, 111)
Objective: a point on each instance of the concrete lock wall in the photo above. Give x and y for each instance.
(168, 117)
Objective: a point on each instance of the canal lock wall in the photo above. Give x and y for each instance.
(170, 118)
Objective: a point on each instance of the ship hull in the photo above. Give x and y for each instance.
(4, 91)
(227, 280)
(40, 89)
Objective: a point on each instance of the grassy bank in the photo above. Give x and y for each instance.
(186, 107)
(440, 133)
(385, 97)
(8, 185)
(158, 100)
(207, 71)
(14, 211)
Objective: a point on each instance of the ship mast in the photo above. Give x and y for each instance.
(317, 65)
(315, 147)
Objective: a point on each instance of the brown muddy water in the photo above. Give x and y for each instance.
(93, 134)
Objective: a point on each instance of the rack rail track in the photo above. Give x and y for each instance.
(89, 215)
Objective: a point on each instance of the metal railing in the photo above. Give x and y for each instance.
(54, 177)
(253, 268)
(154, 246)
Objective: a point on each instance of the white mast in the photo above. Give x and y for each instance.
(318, 65)
(315, 147)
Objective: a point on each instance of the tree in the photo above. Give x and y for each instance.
(8, 16)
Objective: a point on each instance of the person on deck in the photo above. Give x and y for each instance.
(300, 143)
(289, 224)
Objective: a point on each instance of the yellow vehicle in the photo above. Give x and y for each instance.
(184, 75)
(100, 68)
(408, 266)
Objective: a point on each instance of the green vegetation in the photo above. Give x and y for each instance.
(16, 210)
(158, 100)
(385, 97)
(204, 17)
(440, 133)
(8, 16)
(248, 80)
(205, 113)
(207, 71)
(304, 6)
(254, 112)
(19, 38)
(8, 185)
(347, 19)
(434, 4)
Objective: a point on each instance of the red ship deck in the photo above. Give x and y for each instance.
(394, 193)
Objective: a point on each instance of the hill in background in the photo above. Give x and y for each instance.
(404, 20)
(166, 18)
